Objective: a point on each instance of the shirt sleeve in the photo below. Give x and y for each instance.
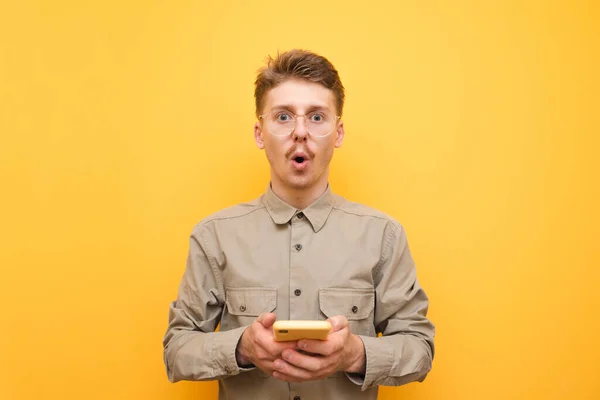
(192, 348)
(404, 352)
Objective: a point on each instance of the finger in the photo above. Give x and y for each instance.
(327, 347)
(293, 373)
(267, 367)
(266, 319)
(338, 322)
(303, 361)
(276, 348)
(285, 378)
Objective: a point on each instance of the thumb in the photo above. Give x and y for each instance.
(266, 319)
(338, 322)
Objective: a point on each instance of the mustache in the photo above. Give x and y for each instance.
(305, 150)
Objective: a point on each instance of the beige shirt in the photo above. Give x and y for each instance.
(333, 258)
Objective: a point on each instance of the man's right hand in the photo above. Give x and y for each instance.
(257, 346)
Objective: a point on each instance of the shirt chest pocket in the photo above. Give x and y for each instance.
(245, 304)
(357, 305)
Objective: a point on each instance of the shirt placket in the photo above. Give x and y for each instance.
(300, 228)
(299, 295)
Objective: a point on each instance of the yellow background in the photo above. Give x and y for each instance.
(475, 124)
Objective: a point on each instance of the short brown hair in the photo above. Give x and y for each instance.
(301, 64)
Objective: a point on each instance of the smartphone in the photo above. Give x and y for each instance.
(286, 331)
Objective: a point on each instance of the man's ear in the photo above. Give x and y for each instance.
(258, 136)
(340, 134)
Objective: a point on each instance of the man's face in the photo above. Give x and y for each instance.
(299, 161)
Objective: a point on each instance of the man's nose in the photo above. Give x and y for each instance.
(300, 130)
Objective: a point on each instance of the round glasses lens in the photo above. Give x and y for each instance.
(280, 123)
(320, 123)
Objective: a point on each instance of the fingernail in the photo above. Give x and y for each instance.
(303, 345)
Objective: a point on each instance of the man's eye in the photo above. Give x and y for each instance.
(283, 117)
(317, 118)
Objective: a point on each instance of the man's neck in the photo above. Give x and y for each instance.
(299, 198)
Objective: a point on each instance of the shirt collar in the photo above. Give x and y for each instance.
(316, 213)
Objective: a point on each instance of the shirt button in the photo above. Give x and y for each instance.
(297, 292)
(298, 247)
(300, 215)
(354, 309)
(242, 308)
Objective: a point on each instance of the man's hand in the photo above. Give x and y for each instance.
(257, 346)
(342, 351)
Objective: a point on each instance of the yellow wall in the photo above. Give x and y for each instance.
(124, 123)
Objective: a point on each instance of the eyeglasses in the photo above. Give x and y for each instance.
(282, 123)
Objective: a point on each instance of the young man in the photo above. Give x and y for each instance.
(299, 252)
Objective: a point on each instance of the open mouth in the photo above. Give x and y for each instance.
(300, 160)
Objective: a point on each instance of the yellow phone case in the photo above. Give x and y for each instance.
(286, 331)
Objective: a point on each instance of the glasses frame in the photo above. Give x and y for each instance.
(296, 116)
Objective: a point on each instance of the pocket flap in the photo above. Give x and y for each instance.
(250, 301)
(353, 304)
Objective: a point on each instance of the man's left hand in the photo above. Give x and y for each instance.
(318, 359)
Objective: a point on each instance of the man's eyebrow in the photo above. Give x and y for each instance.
(310, 108)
